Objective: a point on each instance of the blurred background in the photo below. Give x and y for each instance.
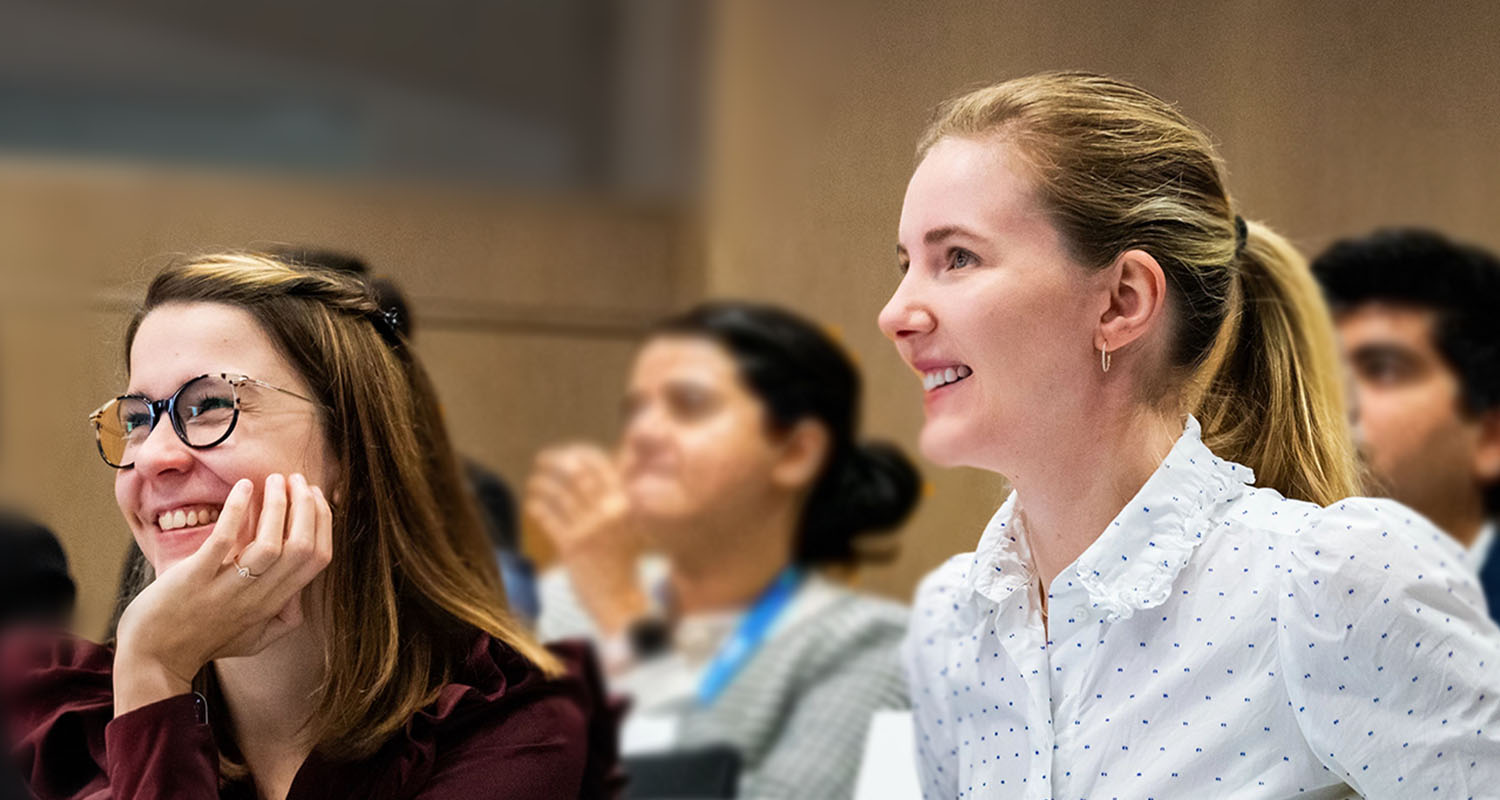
(545, 178)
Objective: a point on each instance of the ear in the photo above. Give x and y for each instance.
(801, 455)
(1487, 451)
(1136, 289)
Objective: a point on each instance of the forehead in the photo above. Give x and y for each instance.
(179, 341)
(977, 184)
(669, 359)
(1389, 323)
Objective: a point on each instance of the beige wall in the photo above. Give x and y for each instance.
(527, 311)
(1334, 118)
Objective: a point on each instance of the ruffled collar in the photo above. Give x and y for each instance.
(1133, 563)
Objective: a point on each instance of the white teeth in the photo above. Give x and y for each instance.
(942, 377)
(187, 518)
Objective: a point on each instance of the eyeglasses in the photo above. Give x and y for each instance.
(203, 412)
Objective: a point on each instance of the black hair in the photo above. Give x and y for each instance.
(1459, 283)
(798, 372)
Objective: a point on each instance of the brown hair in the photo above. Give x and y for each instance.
(1253, 357)
(412, 580)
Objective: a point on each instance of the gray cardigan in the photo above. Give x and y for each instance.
(799, 710)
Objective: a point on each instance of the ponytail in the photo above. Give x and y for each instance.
(1273, 399)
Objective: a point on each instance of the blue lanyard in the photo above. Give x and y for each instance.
(748, 636)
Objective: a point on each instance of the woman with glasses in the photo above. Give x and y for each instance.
(323, 617)
(1176, 600)
(696, 553)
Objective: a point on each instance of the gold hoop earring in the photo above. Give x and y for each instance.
(1104, 357)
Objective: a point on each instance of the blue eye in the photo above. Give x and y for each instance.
(135, 421)
(958, 258)
(210, 404)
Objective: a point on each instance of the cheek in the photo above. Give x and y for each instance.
(716, 463)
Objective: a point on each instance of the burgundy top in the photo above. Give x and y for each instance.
(500, 730)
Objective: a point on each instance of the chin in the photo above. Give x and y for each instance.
(945, 445)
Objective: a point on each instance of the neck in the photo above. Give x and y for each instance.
(1067, 500)
(1462, 523)
(735, 563)
(270, 697)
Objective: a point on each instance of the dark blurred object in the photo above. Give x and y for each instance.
(328, 259)
(711, 772)
(35, 587)
(135, 573)
(497, 510)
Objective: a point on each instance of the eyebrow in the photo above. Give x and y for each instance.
(938, 234)
(1383, 350)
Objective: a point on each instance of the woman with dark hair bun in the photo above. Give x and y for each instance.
(740, 471)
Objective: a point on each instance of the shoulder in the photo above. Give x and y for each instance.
(501, 707)
(840, 636)
(842, 617)
(938, 597)
(1370, 572)
(1377, 541)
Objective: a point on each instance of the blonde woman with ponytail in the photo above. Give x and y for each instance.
(1176, 600)
(322, 617)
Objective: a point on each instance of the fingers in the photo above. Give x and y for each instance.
(215, 551)
(324, 550)
(270, 529)
(560, 470)
(571, 480)
(596, 474)
(308, 544)
(302, 531)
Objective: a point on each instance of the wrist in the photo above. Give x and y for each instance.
(643, 639)
(141, 680)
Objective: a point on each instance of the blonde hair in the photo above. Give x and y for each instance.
(412, 582)
(1253, 354)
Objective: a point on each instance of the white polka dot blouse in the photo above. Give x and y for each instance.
(1217, 640)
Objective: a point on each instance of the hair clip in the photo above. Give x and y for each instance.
(388, 323)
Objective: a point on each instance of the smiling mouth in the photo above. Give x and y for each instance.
(187, 517)
(937, 378)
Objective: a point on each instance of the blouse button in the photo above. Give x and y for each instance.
(1081, 613)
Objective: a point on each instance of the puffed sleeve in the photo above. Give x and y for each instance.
(1390, 660)
(923, 657)
(59, 701)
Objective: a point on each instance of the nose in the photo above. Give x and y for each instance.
(905, 314)
(162, 451)
(644, 431)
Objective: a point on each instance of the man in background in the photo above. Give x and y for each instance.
(1418, 319)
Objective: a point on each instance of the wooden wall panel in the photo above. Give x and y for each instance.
(1334, 118)
(528, 310)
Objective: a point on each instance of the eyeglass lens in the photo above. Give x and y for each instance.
(203, 411)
